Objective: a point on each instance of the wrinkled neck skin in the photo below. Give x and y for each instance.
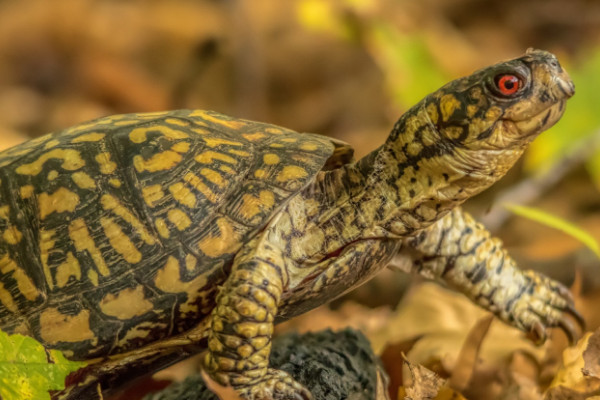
(422, 173)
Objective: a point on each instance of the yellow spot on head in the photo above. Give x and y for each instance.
(71, 161)
(93, 277)
(26, 191)
(120, 241)
(183, 195)
(126, 304)
(83, 180)
(52, 175)
(226, 241)
(60, 201)
(56, 327)
(271, 159)
(448, 104)
(106, 165)
(209, 156)
(152, 194)
(433, 113)
(290, 172)
(89, 137)
(179, 219)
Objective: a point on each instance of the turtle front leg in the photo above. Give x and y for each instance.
(461, 252)
(239, 341)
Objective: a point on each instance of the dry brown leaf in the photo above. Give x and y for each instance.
(223, 392)
(391, 359)
(424, 384)
(577, 378)
(382, 392)
(469, 354)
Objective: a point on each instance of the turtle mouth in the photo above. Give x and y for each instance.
(541, 121)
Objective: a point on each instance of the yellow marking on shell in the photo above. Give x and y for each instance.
(26, 191)
(227, 170)
(56, 327)
(254, 136)
(151, 115)
(179, 219)
(109, 202)
(7, 300)
(252, 205)
(51, 144)
(114, 182)
(183, 195)
(216, 141)
(126, 304)
(274, 131)
(177, 121)
(83, 180)
(139, 332)
(138, 135)
(12, 235)
(4, 212)
(52, 175)
(209, 156)
(271, 159)
(289, 140)
(260, 174)
(69, 268)
(60, 201)
(24, 282)
(158, 162)
(71, 161)
(240, 153)
(290, 172)
(126, 122)
(89, 137)
(200, 186)
(93, 277)
(161, 227)
(120, 241)
(225, 242)
(82, 241)
(309, 146)
(448, 104)
(213, 176)
(276, 145)
(181, 147)
(229, 123)
(46, 244)
(190, 262)
(106, 165)
(168, 279)
(152, 194)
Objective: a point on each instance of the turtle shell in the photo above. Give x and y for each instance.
(118, 232)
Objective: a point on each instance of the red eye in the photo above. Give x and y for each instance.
(508, 84)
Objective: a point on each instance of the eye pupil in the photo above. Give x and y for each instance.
(508, 84)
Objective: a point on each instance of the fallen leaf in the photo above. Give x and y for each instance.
(222, 392)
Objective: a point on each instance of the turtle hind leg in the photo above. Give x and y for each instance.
(239, 341)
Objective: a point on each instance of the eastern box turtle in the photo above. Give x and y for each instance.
(135, 240)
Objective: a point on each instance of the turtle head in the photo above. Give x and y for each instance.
(502, 106)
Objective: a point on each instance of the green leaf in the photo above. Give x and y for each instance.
(28, 371)
(552, 221)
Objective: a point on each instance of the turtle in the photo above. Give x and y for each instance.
(133, 241)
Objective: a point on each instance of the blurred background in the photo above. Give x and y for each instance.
(344, 68)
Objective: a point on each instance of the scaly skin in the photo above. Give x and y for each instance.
(349, 223)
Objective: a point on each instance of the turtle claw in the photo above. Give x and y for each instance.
(569, 329)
